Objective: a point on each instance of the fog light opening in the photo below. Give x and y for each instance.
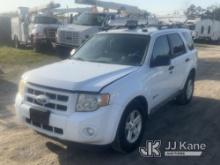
(89, 131)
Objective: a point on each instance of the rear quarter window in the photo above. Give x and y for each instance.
(189, 40)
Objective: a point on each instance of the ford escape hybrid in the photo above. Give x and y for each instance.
(104, 93)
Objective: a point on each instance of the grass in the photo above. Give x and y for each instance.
(12, 56)
(13, 62)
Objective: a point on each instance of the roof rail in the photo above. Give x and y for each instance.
(164, 27)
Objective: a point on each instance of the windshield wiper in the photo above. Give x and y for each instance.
(99, 61)
(78, 58)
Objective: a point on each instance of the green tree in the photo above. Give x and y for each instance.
(194, 11)
(212, 12)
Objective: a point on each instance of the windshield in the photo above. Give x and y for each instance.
(123, 49)
(45, 20)
(90, 19)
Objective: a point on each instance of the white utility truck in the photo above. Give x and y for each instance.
(208, 29)
(89, 23)
(36, 27)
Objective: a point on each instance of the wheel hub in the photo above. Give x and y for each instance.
(189, 90)
(133, 126)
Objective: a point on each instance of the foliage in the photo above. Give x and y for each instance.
(211, 12)
(194, 12)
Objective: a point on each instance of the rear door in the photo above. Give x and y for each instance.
(179, 60)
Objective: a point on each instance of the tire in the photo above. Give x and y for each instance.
(122, 142)
(37, 48)
(16, 43)
(187, 94)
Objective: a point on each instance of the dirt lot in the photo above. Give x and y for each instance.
(198, 122)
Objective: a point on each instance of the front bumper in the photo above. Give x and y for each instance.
(67, 46)
(74, 127)
(40, 41)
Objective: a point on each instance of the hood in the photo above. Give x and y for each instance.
(74, 27)
(46, 26)
(78, 75)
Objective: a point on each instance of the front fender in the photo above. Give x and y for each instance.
(124, 91)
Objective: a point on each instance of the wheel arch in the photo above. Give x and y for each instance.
(141, 100)
(193, 72)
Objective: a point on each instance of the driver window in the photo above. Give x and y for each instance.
(161, 47)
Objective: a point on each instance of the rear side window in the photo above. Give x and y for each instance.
(202, 29)
(177, 44)
(189, 40)
(161, 47)
(209, 29)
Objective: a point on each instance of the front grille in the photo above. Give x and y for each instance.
(51, 33)
(57, 101)
(45, 127)
(70, 38)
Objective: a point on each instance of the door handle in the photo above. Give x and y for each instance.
(187, 60)
(171, 68)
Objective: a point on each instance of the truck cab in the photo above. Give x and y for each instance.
(42, 30)
(33, 28)
(83, 27)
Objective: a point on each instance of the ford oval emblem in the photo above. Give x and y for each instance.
(42, 99)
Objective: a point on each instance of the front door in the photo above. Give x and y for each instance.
(160, 81)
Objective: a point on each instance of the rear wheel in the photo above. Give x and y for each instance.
(130, 129)
(187, 94)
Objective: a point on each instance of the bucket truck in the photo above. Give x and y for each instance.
(87, 23)
(34, 26)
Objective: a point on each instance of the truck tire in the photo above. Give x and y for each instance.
(131, 129)
(16, 43)
(187, 94)
(62, 52)
(37, 48)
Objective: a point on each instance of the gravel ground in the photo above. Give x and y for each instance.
(198, 122)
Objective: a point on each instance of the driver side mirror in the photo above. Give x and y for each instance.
(160, 61)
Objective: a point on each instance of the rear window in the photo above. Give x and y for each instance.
(189, 40)
(177, 44)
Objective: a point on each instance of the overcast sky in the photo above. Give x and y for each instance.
(154, 6)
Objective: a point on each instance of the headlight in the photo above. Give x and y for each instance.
(91, 102)
(21, 87)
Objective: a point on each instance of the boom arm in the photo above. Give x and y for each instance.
(111, 5)
(44, 8)
(72, 10)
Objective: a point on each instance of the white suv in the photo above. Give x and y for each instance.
(105, 92)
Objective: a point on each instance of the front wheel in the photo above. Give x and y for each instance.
(187, 94)
(130, 129)
(16, 43)
(37, 48)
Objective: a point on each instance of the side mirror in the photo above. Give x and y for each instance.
(160, 61)
(73, 52)
(104, 28)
